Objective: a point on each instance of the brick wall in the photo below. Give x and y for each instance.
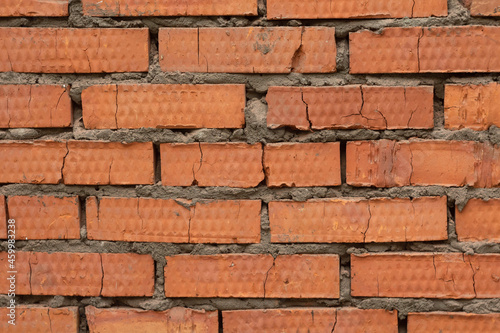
(250, 165)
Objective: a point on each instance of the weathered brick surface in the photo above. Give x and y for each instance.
(169, 8)
(302, 164)
(386, 163)
(425, 50)
(35, 106)
(64, 50)
(19, 263)
(359, 220)
(33, 8)
(478, 221)
(36, 319)
(471, 106)
(442, 322)
(347, 107)
(211, 164)
(172, 221)
(248, 50)
(139, 321)
(324, 9)
(443, 275)
(252, 276)
(45, 217)
(164, 106)
(347, 320)
(484, 7)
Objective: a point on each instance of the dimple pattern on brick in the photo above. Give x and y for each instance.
(66, 50)
(478, 221)
(34, 8)
(36, 319)
(484, 7)
(452, 322)
(22, 267)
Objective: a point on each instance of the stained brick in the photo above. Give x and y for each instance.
(164, 106)
(425, 50)
(66, 50)
(169, 8)
(248, 50)
(386, 163)
(45, 217)
(359, 220)
(348, 320)
(252, 276)
(211, 164)
(347, 107)
(443, 322)
(36, 319)
(471, 106)
(103, 163)
(33, 8)
(140, 321)
(302, 164)
(478, 221)
(448, 275)
(38, 162)
(484, 7)
(35, 106)
(325, 9)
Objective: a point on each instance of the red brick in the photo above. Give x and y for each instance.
(160, 220)
(252, 276)
(302, 164)
(478, 221)
(248, 50)
(358, 220)
(3, 218)
(38, 162)
(45, 217)
(485, 8)
(211, 164)
(425, 50)
(386, 163)
(140, 321)
(35, 106)
(348, 320)
(444, 275)
(66, 50)
(19, 263)
(104, 163)
(347, 107)
(164, 106)
(33, 8)
(169, 8)
(446, 322)
(471, 106)
(36, 319)
(326, 9)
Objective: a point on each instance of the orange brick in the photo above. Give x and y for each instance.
(104, 163)
(346, 107)
(471, 106)
(35, 106)
(348, 320)
(358, 220)
(386, 163)
(3, 218)
(66, 50)
(36, 319)
(327, 9)
(425, 50)
(20, 264)
(140, 321)
(33, 8)
(485, 8)
(45, 217)
(252, 276)
(127, 274)
(164, 106)
(211, 164)
(248, 50)
(169, 8)
(446, 322)
(38, 162)
(445, 275)
(302, 164)
(478, 221)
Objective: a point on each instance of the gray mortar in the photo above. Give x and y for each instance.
(254, 131)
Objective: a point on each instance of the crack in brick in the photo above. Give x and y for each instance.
(267, 275)
(368, 222)
(50, 321)
(191, 216)
(31, 273)
(109, 172)
(412, 8)
(335, 322)
(139, 214)
(411, 165)
(116, 107)
(434, 264)
(195, 181)
(418, 49)
(58, 101)
(63, 163)
(473, 276)
(307, 108)
(29, 102)
(297, 55)
(102, 275)
(8, 113)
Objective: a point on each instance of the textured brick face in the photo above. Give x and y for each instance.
(36, 319)
(442, 322)
(33, 8)
(478, 221)
(3, 218)
(484, 7)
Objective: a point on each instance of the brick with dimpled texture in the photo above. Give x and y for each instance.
(34, 8)
(20, 263)
(452, 322)
(484, 7)
(37, 319)
(478, 221)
